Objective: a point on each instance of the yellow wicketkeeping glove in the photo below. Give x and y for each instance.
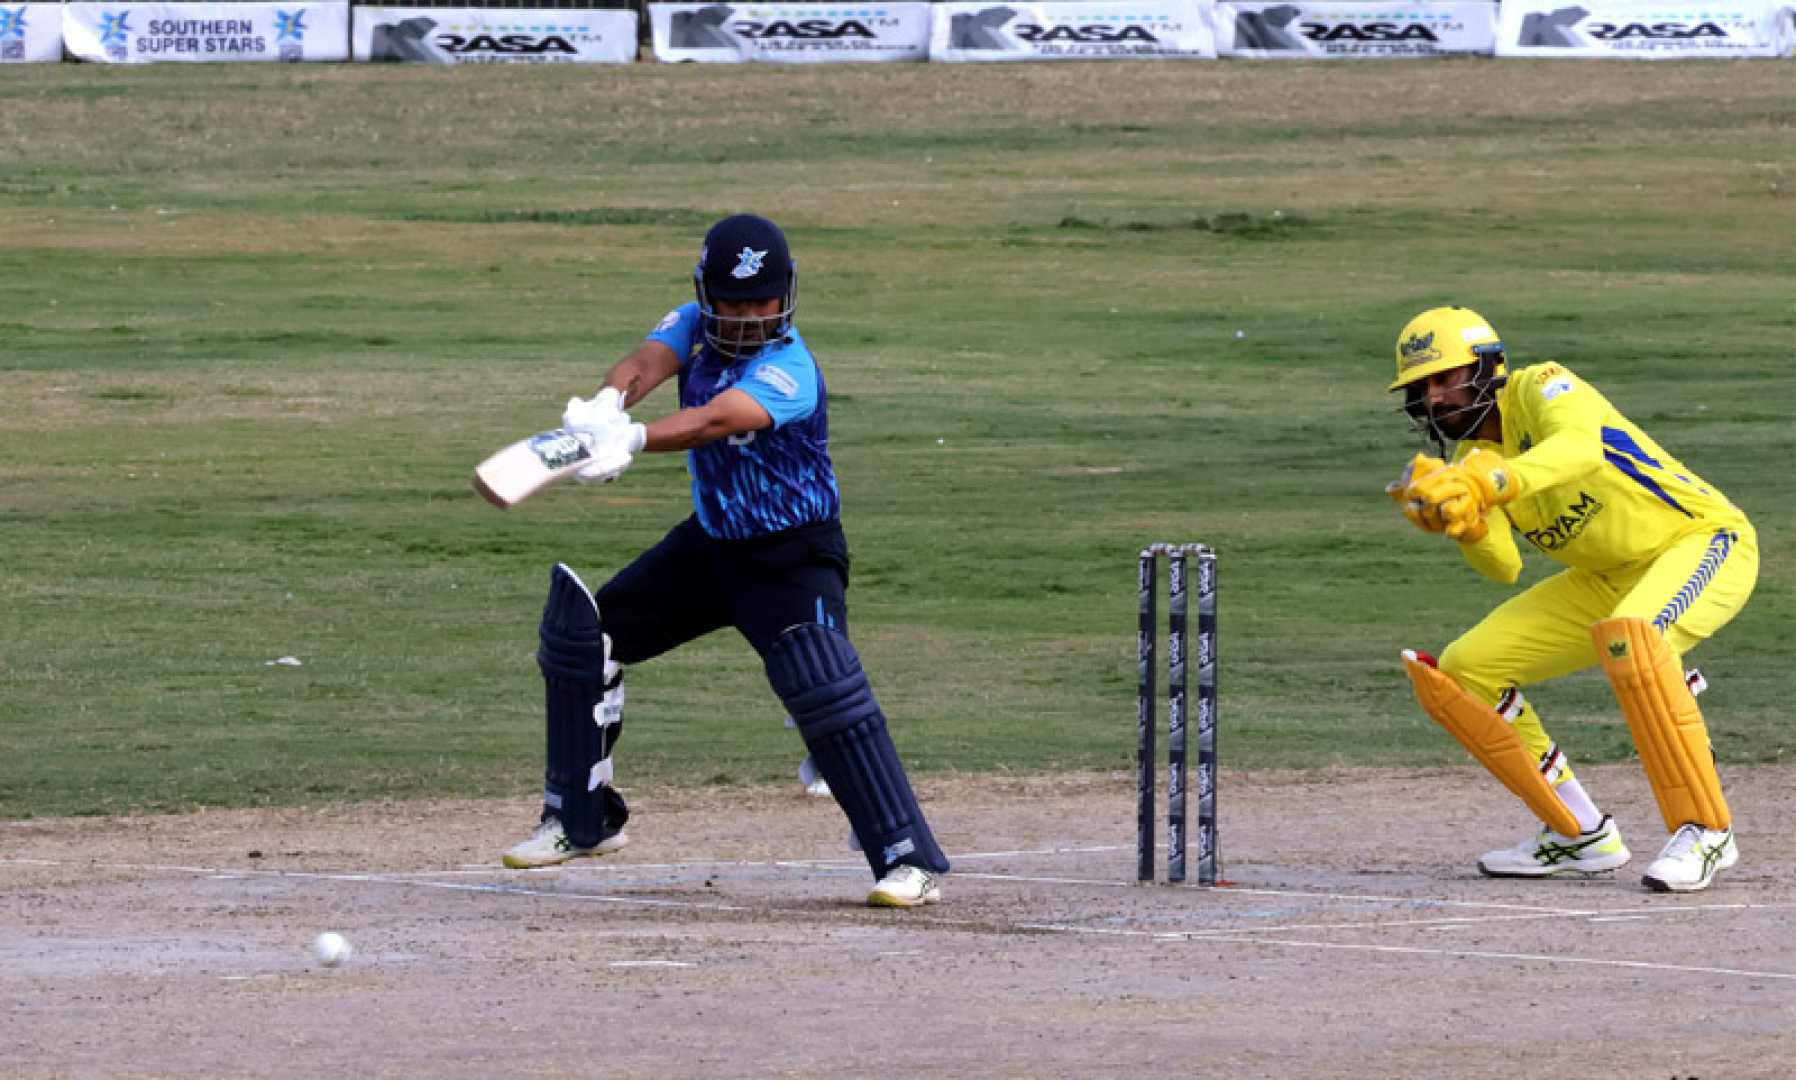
(1460, 495)
(1414, 509)
(1462, 523)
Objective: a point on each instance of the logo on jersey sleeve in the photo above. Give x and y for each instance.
(748, 263)
(668, 321)
(1553, 380)
(778, 379)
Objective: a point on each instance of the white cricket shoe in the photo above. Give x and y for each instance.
(1549, 853)
(549, 845)
(808, 777)
(1691, 859)
(906, 886)
(814, 784)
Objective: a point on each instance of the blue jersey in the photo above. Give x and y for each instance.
(763, 481)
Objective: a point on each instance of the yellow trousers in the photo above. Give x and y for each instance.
(1690, 591)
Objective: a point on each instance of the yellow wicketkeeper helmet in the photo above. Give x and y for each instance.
(1443, 338)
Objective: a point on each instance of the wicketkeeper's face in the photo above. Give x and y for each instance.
(1452, 397)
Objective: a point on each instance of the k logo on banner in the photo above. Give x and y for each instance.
(1267, 29)
(1552, 29)
(406, 41)
(981, 29)
(702, 29)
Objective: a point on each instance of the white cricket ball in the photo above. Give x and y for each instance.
(332, 948)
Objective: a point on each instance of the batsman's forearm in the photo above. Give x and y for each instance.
(647, 367)
(686, 429)
(631, 379)
(732, 412)
(629, 384)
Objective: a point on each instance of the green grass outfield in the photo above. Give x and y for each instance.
(261, 321)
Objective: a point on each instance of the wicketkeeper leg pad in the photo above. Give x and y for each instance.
(1665, 721)
(817, 674)
(583, 709)
(1483, 732)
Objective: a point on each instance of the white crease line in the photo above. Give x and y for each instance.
(512, 890)
(131, 866)
(650, 964)
(1444, 922)
(381, 879)
(1482, 920)
(1237, 890)
(1103, 883)
(1412, 950)
(1092, 849)
(1374, 898)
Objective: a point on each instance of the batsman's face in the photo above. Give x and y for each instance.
(744, 325)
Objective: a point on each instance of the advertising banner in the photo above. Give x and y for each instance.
(790, 33)
(30, 33)
(1636, 30)
(1140, 30)
(1337, 30)
(131, 33)
(494, 35)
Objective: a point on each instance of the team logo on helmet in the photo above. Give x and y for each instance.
(1419, 349)
(748, 263)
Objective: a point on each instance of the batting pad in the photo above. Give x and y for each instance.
(1666, 723)
(577, 758)
(1483, 732)
(816, 673)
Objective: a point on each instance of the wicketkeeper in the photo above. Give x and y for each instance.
(763, 553)
(1657, 559)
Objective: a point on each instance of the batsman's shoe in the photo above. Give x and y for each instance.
(906, 886)
(814, 784)
(1691, 859)
(548, 845)
(1551, 853)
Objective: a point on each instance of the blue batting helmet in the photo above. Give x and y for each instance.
(745, 257)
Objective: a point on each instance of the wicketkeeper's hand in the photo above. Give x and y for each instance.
(1414, 509)
(1461, 523)
(1462, 494)
(615, 448)
(605, 410)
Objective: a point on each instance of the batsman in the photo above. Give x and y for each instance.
(1656, 560)
(763, 553)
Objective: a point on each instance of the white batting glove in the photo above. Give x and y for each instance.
(605, 410)
(616, 447)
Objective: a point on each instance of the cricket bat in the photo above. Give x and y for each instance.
(530, 465)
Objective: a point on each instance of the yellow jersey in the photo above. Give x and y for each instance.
(1597, 492)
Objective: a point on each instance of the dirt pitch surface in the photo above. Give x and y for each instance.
(1356, 940)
